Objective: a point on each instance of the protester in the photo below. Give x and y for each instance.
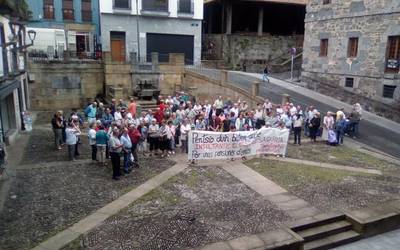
(327, 125)
(314, 126)
(101, 142)
(71, 132)
(115, 151)
(57, 124)
(92, 141)
(297, 125)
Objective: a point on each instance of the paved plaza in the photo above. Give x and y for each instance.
(168, 204)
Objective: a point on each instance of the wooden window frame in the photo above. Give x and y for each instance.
(46, 7)
(68, 11)
(392, 53)
(352, 47)
(325, 2)
(323, 47)
(123, 8)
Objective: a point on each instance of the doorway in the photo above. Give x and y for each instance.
(118, 46)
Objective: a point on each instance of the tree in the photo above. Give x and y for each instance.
(15, 8)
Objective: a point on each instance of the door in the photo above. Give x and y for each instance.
(118, 46)
(167, 43)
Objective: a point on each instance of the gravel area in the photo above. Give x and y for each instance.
(45, 200)
(329, 189)
(199, 206)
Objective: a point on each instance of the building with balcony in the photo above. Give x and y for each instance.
(14, 98)
(352, 52)
(79, 19)
(146, 26)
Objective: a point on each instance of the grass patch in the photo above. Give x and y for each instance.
(290, 174)
(341, 155)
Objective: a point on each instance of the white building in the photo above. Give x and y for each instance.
(13, 79)
(145, 26)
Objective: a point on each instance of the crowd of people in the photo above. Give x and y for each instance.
(123, 129)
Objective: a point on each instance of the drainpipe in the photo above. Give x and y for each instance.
(137, 29)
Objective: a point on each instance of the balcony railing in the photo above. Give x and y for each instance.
(68, 14)
(155, 5)
(186, 6)
(86, 15)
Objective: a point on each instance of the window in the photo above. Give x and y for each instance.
(48, 9)
(393, 53)
(186, 6)
(323, 48)
(122, 4)
(388, 91)
(155, 5)
(87, 10)
(326, 1)
(349, 82)
(352, 47)
(68, 9)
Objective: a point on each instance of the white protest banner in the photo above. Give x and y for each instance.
(205, 145)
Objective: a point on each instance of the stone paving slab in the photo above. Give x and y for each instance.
(306, 163)
(96, 218)
(253, 179)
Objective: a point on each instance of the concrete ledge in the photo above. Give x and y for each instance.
(372, 221)
(283, 239)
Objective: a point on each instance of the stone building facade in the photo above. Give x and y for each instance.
(352, 52)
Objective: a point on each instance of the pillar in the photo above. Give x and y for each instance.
(260, 20)
(255, 89)
(224, 77)
(229, 18)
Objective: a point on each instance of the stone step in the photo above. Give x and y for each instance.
(319, 232)
(319, 220)
(333, 241)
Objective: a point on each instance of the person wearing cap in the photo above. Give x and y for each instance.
(115, 147)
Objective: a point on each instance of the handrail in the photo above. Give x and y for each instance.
(290, 59)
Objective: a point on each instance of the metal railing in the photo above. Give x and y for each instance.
(66, 56)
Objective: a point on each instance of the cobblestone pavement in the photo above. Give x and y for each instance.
(199, 206)
(51, 194)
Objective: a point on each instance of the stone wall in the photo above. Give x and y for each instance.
(206, 88)
(64, 85)
(371, 22)
(254, 51)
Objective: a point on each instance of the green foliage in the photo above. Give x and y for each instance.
(15, 8)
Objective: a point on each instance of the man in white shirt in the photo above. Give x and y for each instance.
(185, 128)
(126, 148)
(92, 140)
(235, 110)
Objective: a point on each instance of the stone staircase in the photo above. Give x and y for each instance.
(146, 105)
(327, 233)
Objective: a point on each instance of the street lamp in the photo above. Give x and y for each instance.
(32, 36)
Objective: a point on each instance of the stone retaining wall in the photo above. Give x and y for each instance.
(64, 85)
